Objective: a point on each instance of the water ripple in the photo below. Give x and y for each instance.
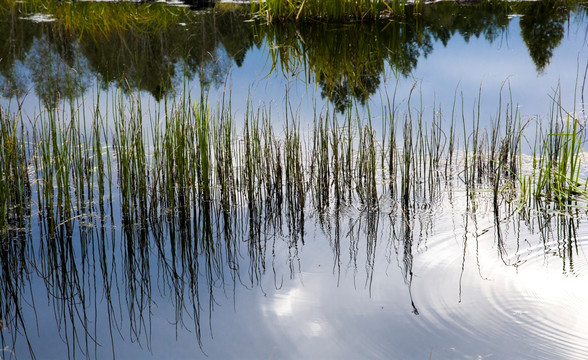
(528, 302)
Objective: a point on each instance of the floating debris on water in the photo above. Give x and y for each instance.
(39, 18)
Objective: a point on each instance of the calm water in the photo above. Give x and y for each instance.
(449, 276)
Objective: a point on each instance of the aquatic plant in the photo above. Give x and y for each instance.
(101, 19)
(131, 159)
(330, 10)
(157, 44)
(180, 180)
(15, 186)
(193, 156)
(558, 164)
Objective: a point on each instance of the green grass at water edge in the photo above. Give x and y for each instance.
(102, 19)
(185, 176)
(186, 155)
(559, 163)
(15, 187)
(329, 10)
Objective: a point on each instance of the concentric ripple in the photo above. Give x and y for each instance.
(524, 299)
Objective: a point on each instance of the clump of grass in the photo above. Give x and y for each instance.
(101, 159)
(15, 187)
(68, 161)
(225, 170)
(199, 162)
(367, 186)
(559, 162)
(329, 10)
(54, 138)
(129, 149)
(296, 184)
(272, 168)
(320, 167)
(505, 155)
(101, 19)
(252, 172)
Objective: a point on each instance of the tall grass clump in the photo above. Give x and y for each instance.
(194, 161)
(559, 163)
(367, 185)
(101, 157)
(130, 153)
(252, 176)
(295, 178)
(504, 151)
(177, 159)
(327, 10)
(15, 187)
(96, 19)
(224, 140)
(321, 165)
(52, 137)
(415, 150)
(272, 168)
(70, 165)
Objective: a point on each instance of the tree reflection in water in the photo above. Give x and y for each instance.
(346, 61)
(208, 212)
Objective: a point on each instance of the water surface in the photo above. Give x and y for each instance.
(450, 274)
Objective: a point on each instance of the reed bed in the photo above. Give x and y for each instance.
(187, 155)
(15, 186)
(181, 181)
(558, 165)
(330, 10)
(99, 19)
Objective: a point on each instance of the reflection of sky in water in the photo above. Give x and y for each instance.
(471, 304)
(487, 311)
(462, 66)
(479, 62)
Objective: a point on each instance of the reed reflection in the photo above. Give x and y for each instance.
(179, 207)
(186, 239)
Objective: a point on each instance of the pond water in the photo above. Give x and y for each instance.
(143, 260)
